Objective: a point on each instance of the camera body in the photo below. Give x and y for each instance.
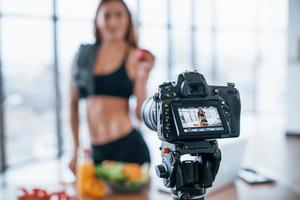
(191, 110)
(188, 116)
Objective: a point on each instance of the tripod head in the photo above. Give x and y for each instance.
(189, 179)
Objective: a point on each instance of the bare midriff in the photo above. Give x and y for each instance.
(108, 118)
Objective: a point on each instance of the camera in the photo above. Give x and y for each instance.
(188, 116)
(189, 109)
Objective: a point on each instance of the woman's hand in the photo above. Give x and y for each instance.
(73, 164)
(145, 62)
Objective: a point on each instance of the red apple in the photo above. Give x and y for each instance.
(142, 54)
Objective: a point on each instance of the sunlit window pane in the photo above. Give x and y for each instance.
(236, 14)
(203, 54)
(273, 43)
(236, 46)
(28, 7)
(181, 52)
(273, 14)
(153, 12)
(236, 61)
(203, 12)
(181, 13)
(77, 9)
(28, 82)
(149, 38)
(272, 71)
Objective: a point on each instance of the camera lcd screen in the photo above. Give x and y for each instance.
(200, 119)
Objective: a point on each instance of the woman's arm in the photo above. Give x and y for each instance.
(144, 63)
(74, 120)
(74, 116)
(74, 108)
(140, 91)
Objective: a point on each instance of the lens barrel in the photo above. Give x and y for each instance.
(149, 113)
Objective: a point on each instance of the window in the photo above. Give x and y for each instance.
(28, 84)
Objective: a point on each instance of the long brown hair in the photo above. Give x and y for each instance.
(130, 35)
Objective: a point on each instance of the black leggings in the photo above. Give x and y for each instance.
(130, 148)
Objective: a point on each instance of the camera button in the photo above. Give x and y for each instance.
(156, 97)
(166, 150)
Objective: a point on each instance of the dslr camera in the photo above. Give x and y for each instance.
(188, 116)
(190, 109)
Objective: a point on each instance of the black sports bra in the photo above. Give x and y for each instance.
(116, 83)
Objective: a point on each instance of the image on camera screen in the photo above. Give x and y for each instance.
(198, 119)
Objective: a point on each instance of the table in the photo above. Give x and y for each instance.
(280, 155)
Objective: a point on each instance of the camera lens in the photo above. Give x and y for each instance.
(149, 111)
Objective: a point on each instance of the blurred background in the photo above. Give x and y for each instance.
(254, 43)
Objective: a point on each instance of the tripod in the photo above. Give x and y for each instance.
(189, 179)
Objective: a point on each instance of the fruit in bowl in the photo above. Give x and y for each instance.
(87, 183)
(124, 177)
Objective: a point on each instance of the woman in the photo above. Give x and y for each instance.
(202, 118)
(107, 73)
